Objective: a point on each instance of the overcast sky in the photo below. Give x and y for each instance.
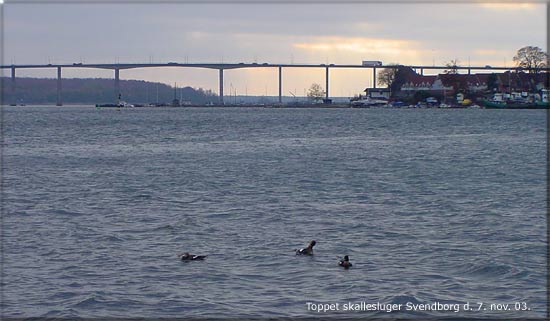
(474, 33)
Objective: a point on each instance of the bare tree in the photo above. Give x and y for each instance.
(532, 58)
(316, 92)
(453, 78)
(452, 67)
(402, 75)
(386, 77)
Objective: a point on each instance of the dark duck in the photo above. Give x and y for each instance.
(345, 263)
(308, 250)
(190, 257)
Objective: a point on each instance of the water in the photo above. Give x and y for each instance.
(430, 205)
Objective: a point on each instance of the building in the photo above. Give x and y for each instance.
(378, 93)
(443, 84)
(432, 85)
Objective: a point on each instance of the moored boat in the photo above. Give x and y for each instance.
(368, 102)
(121, 104)
(515, 105)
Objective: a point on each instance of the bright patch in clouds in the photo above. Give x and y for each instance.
(352, 50)
(358, 45)
(198, 35)
(509, 6)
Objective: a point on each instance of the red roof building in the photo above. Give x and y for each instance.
(476, 83)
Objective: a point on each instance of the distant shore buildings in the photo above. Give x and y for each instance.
(413, 86)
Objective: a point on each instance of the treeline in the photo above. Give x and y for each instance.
(98, 90)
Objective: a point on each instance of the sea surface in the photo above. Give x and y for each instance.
(431, 206)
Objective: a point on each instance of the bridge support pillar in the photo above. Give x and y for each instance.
(221, 86)
(117, 85)
(326, 83)
(280, 85)
(13, 94)
(421, 71)
(373, 77)
(469, 71)
(59, 101)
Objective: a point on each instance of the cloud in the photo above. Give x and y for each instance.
(509, 6)
(351, 50)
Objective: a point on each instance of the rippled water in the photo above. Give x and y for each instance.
(430, 205)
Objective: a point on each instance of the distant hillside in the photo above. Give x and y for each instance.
(98, 90)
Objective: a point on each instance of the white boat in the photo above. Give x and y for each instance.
(368, 102)
(120, 104)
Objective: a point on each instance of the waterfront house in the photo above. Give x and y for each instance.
(432, 85)
(378, 93)
(417, 82)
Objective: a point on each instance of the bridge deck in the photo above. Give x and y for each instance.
(246, 65)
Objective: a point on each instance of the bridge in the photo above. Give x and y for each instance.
(117, 67)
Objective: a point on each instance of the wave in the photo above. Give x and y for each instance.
(89, 302)
(64, 212)
(489, 270)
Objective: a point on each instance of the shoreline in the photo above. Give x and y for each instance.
(271, 106)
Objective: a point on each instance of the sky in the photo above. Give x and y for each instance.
(407, 33)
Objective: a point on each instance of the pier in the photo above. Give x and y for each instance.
(117, 67)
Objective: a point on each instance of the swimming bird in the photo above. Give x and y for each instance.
(190, 257)
(345, 263)
(308, 250)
